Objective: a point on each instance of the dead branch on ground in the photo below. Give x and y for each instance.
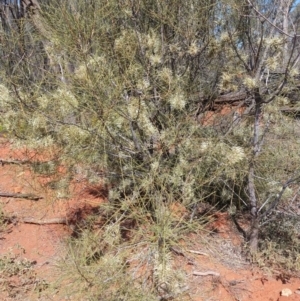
(27, 196)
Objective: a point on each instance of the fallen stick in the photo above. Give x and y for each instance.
(208, 273)
(198, 252)
(28, 196)
(17, 162)
(55, 220)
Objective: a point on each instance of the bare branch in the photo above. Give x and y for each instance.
(271, 23)
(28, 196)
(279, 196)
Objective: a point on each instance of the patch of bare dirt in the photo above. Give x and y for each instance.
(37, 229)
(217, 270)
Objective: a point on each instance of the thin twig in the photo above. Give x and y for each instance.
(208, 273)
(198, 252)
(271, 23)
(50, 221)
(279, 196)
(17, 162)
(28, 196)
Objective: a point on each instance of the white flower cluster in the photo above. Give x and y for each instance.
(154, 166)
(177, 100)
(138, 111)
(155, 59)
(153, 42)
(281, 100)
(81, 72)
(44, 101)
(66, 96)
(38, 121)
(178, 172)
(227, 82)
(96, 61)
(114, 121)
(224, 37)
(276, 187)
(98, 64)
(205, 145)
(188, 191)
(274, 41)
(294, 71)
(9, 119)
(62, 100)
(228, 155)
(133, 108)
(148, 126)
(165, 75)
(235, 155)
(143, 84)
(175, 48)
(126, 44)
(112, 234)
(272, 62)
(250, 82)
(73, 134)
(46, 141)
(193, 49)
(66, 101)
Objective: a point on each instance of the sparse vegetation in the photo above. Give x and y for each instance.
(18, 277)
(3, 221)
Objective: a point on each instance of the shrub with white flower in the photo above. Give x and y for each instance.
(177, 100)
(235, 155)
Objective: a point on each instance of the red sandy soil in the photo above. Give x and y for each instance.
(221, 112)
(43, 244)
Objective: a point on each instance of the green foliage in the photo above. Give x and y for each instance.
(128, 256)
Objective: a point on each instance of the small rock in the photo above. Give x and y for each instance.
(286, 292)
(297, 291)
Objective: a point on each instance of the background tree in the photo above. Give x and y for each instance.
(260, 42)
